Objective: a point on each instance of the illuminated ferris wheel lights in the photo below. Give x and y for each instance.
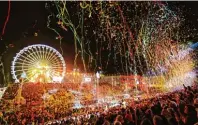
(38, 62)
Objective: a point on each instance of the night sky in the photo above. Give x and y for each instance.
(28, 18)
(24, 15)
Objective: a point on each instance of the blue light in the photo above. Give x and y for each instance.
(194, 46)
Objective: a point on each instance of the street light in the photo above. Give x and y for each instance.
(97, 84)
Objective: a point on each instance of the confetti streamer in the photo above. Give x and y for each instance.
(125, 37)
(7, 19)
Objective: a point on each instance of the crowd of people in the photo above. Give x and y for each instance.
(174, 108)
(11, 92)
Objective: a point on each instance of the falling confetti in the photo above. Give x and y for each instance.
(132, 37)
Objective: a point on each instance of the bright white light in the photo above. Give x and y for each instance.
(52, 91)
(23, 75)
(98, 75)
(126, 96)
(57, 79)
(114, 103)
(87, 79)
(77, 104)
(176, 83)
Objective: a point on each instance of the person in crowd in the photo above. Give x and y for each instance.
(129, 118)
(157, 120)
(145, 121)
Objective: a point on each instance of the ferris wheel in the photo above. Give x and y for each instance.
(38, 63)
